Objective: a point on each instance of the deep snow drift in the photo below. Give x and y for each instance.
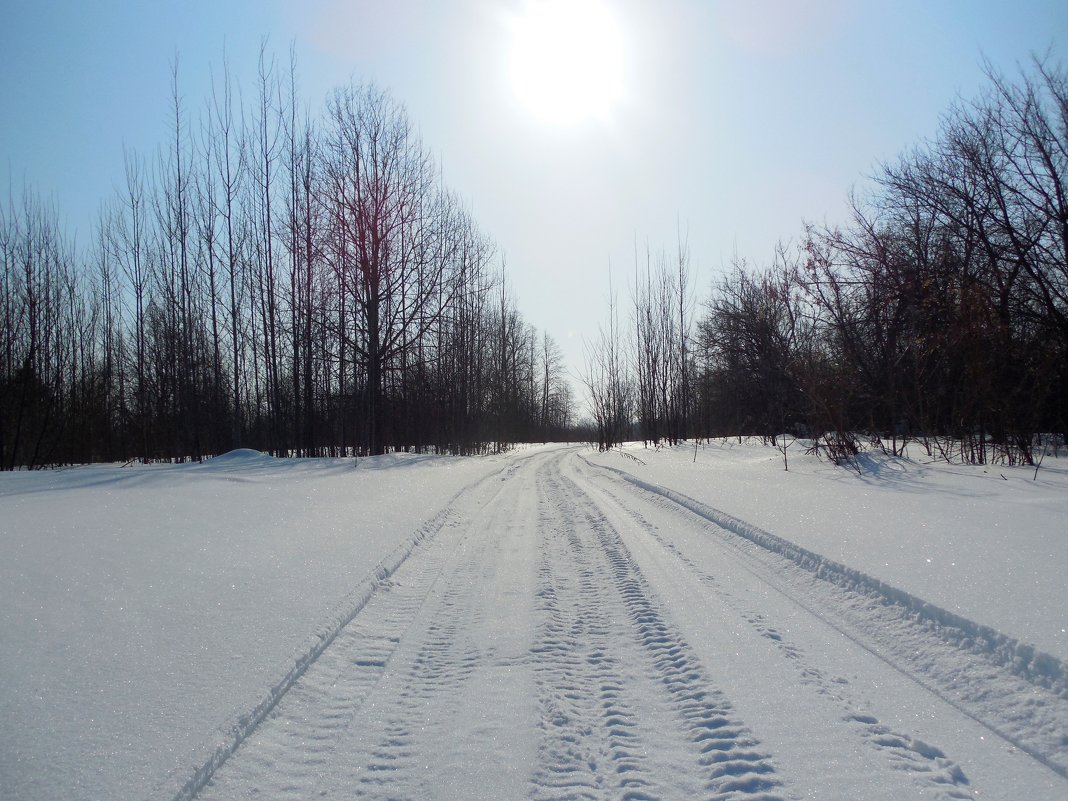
(550, 623)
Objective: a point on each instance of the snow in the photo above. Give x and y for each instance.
(146, 608)
(551, 623)
(989, 543)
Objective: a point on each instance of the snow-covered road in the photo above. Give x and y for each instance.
(565, 632)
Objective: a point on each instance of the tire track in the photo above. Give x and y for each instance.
(907, 642)
(588, 723)
(928, 764)
(589, 578)
(390, 760)
(530, 648)
(298, 741)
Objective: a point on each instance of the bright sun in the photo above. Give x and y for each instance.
(567, 60)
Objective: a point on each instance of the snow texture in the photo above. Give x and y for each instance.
(547, 624)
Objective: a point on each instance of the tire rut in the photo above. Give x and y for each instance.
(842, 609)
(303, 741)
(588, 700)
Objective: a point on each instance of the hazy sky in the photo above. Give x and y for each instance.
(737, 120)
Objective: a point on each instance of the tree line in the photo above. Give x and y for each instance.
(268, 279)
(938, 314)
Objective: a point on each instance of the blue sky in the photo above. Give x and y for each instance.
(737, 120)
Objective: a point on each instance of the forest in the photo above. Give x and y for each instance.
(938, 314)
(295, 284)
(307, 285)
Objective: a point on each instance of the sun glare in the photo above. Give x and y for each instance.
(567, 60)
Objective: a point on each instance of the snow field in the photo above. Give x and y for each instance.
(573, 636)
(862, 655)
(147, 610)
(547, 624)
(987, 543)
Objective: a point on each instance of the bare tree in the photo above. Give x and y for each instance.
(382, 202)
(608, 382)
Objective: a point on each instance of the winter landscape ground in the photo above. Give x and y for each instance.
(550, 623)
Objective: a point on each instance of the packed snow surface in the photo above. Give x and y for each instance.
(552, 623)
